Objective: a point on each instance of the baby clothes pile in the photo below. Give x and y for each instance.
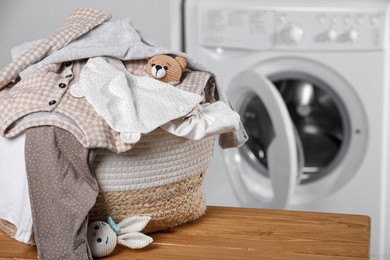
(91, 134)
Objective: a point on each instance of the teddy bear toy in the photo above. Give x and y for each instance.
(166, 68)
(103, 237)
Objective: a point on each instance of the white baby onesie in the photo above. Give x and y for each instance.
(14, 198)
(131, 105)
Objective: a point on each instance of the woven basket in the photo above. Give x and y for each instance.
(160, 176)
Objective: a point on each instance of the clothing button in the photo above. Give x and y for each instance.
(68, 63)
(16, 80)
(68, 76)
(52, 102)
(62, 85)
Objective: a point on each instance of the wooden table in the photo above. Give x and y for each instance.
(233, 233)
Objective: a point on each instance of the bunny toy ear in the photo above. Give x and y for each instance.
(133, 224)
(112, 224)
(134, 240)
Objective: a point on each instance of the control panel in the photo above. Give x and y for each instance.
(245, 29)
(333, 30)
(261, 29)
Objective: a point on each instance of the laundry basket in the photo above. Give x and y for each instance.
(160, 177)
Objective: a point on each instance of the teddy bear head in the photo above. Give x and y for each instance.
(166, 68)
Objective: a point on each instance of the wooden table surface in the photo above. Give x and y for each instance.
(236, 233)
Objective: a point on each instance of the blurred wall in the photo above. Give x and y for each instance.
(27, 20)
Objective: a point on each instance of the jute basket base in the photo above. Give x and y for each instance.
(168, 205)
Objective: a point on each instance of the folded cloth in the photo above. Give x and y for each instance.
(121, 40)
(132, 105)
(114, 38)
(207, 120)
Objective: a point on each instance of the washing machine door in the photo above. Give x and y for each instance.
(274, 149)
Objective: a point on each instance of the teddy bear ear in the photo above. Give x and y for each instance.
(182, 61)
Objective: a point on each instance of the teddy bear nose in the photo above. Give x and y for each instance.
(158, 67)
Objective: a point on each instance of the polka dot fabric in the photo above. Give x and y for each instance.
(62, 191)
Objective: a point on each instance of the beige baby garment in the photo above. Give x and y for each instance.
(132, 105)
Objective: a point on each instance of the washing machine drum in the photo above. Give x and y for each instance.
(318, 121)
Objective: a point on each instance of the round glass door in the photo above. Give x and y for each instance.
(260, 130)
(274, 142)
(318, 116)
(327, 132)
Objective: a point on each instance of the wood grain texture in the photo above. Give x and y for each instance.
(236, 233)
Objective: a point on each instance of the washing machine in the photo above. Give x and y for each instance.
(310, 81)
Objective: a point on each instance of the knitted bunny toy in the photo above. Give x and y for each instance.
(103, 237)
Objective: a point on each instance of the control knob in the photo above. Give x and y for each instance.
(293, 34)
(349, 36)
(331, 35)
(352, 35)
